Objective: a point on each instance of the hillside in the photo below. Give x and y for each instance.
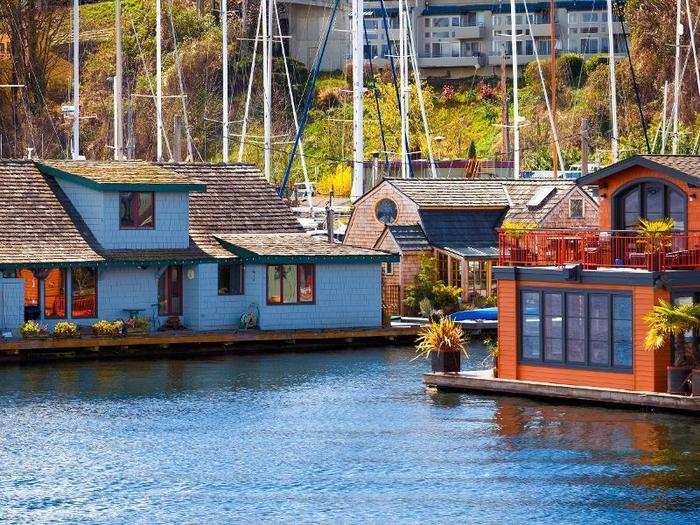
(459, 113)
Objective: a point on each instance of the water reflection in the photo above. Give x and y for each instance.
(326, 436)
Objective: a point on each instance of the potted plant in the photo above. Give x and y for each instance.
(670, 322)
(136, 325)
(443, 343)
(66, 330)
(656, 237)
(34, 330)
(107, 328)
(514, 232)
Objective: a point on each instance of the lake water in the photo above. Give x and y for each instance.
(337, 436)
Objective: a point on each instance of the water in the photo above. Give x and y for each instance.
(347, 436)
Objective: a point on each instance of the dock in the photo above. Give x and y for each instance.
(192, 343)
(483, 381)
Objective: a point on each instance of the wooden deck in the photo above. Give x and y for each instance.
(168, 343)
(483, 381)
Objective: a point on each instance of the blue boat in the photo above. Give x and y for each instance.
(477, 314)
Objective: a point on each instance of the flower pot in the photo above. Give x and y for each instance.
(446, 362)
(695, 382)
(677, 379)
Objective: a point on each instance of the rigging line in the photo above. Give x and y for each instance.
(181, 83)
(246, 108)
(385, 23)
(304, 169)
(550, 113)
(621, 16)
(375, 93)
(308, 99)
(148, 76)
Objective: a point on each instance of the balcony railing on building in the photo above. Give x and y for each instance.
(601, 249)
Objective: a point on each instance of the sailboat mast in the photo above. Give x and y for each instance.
(266, 19)
(613, 82)
(224, 60)
(664, 119)
(403, 86)
(677, 79)
(76, 80)
(118, 82)
(159, 85)
(516, 109)
(553, 77)
(358, 62)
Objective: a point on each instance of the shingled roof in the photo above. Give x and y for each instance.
(450, 193)
(116, 176)
(37, 221)
(682, 167)
(283, 248)
(468, 233)
(520, 193)
(409, 238)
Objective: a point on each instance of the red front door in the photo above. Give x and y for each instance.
(170, 291)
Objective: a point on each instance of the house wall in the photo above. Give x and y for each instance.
(649, 368)
(100, 211)
(560, 216)
(11, 303)
(347, 295)
(611, 184)
(364, 229)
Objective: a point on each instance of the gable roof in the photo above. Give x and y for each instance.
(290, 248)
(682, 167)
(468, 233)
(522, 192)
(37, 221)
(409, 238)
(450, 193)
(238, 200)
(132, 175)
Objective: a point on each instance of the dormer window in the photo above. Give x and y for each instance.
(136, 210)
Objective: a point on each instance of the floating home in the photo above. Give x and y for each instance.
(572, 303)
(200, 244)
(456, 221)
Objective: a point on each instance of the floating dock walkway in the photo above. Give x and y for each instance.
(192, 343)
(484, 382)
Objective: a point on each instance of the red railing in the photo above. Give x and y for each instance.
(595, 248)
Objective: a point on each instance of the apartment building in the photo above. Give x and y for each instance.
(457, 39)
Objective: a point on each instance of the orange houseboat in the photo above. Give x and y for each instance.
(572, 301)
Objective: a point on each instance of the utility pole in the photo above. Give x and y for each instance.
(677, 78)
(584, 147)
(358, 95)
(76, 80)
(118, 82)
(224, 102)
(266, 20)
(159, 85)
(505, 134)
(516, 112)
(613, 82)
(553, 76)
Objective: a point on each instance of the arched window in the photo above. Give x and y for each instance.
(650, 200)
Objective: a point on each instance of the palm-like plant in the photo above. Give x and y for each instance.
(656, 234)
(667, 321)
(443, 336)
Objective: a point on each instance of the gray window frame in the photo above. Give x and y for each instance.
(564, 363)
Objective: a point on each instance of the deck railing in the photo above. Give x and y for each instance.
(600, 249)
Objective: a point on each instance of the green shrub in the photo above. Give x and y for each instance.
(426, 285)
(570, 68)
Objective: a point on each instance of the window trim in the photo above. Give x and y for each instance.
(64, 274)
(242, 279)
(564, 363)
(136, 214)
(583, 208)
(281, 290)
(72, 294)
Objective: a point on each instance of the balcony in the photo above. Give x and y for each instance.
(469, 32)
(600, 249)
(449, 61)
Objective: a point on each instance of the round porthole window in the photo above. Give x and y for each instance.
(386, 211)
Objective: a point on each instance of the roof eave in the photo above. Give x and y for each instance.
(637, 160)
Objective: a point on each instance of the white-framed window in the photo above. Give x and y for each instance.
(576, 209)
